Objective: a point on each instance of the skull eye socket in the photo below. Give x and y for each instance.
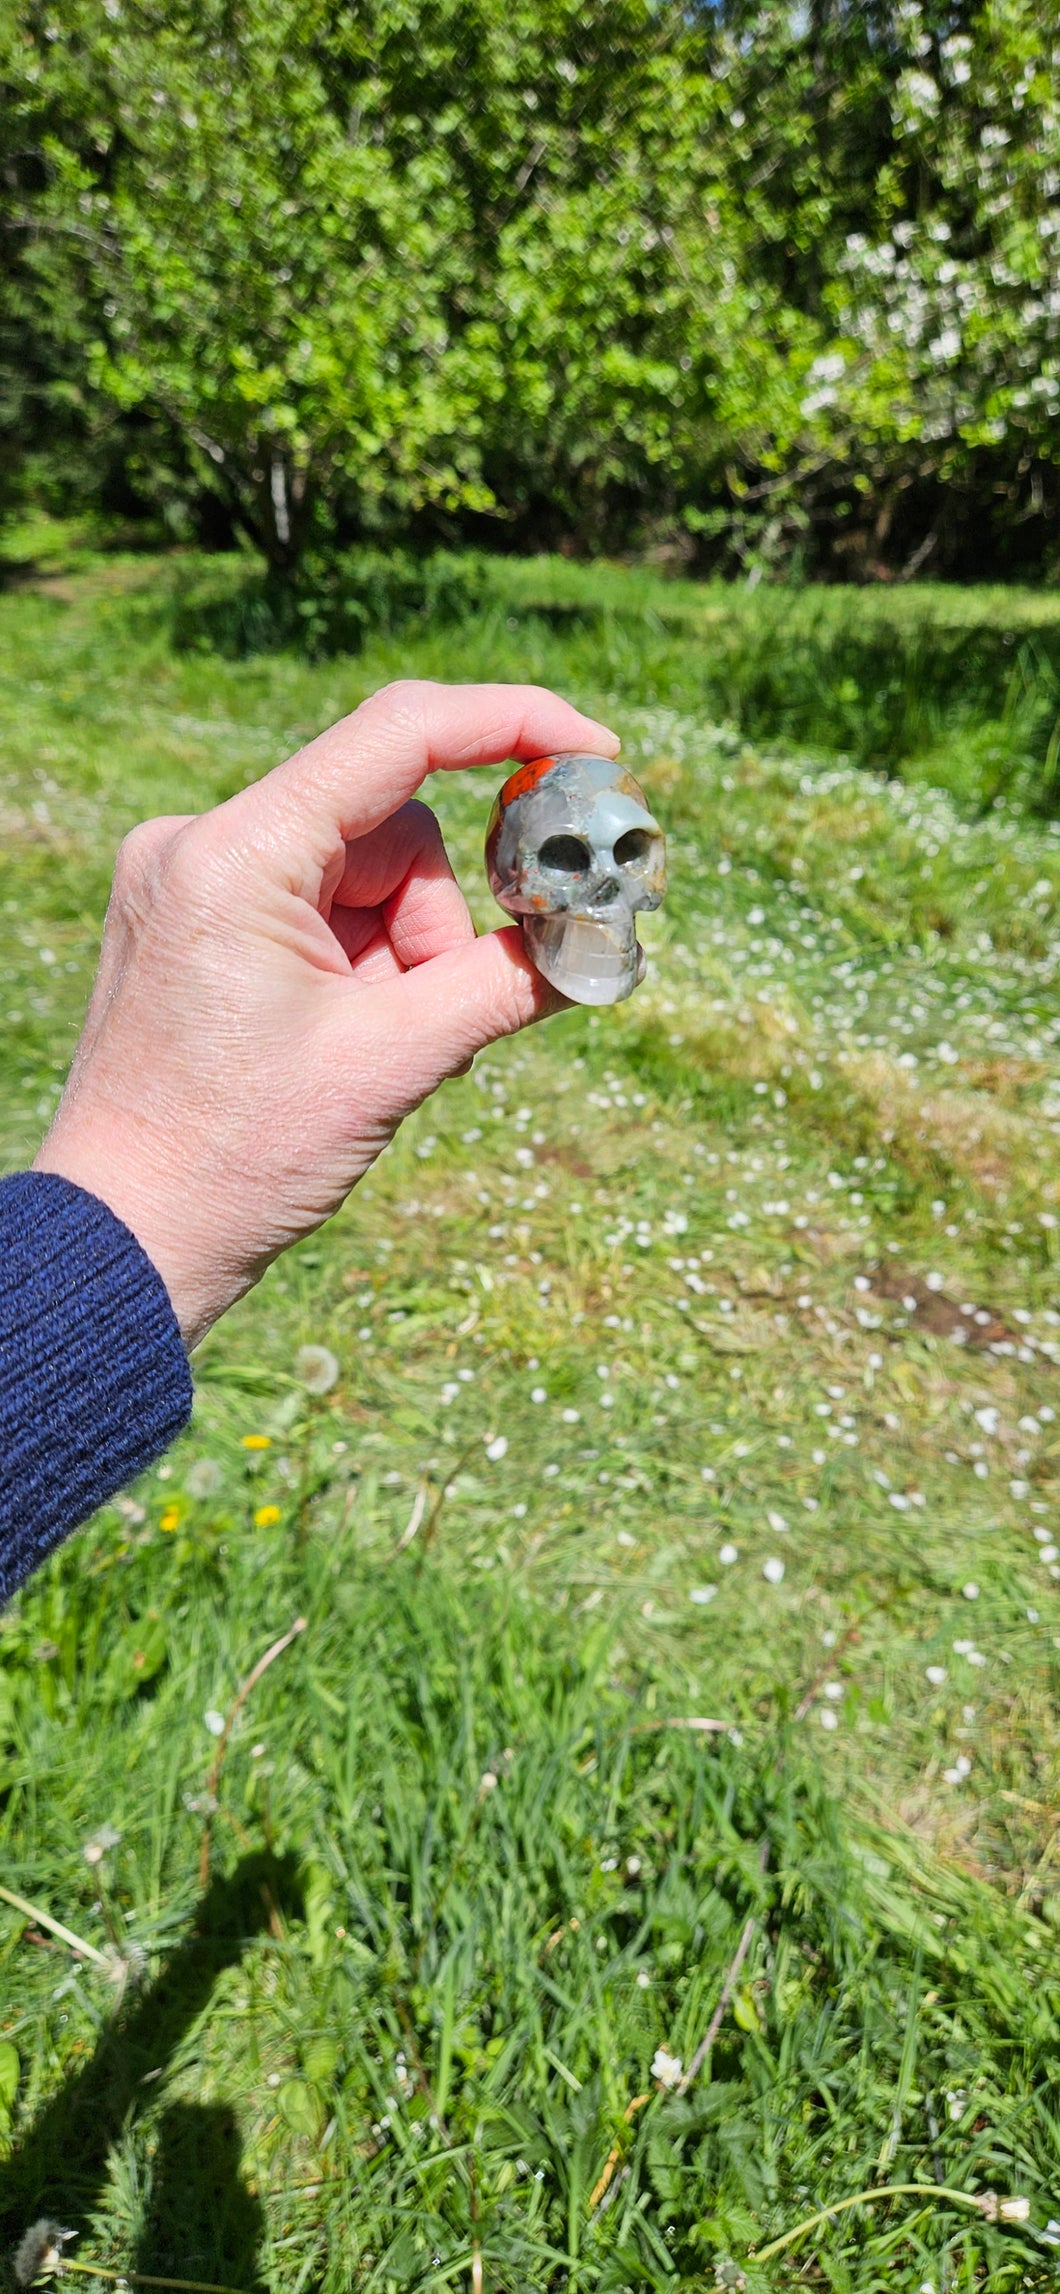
(565, 853)
(634, 848)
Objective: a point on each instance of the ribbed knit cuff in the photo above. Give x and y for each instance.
(94, 1380)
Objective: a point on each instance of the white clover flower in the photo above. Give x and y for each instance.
(727, 1554)
(316, 1368)
(936, 1674)
(773, 1570)
(215, 1722)
(702, 1594)
(497, 1449)
(666, 2068)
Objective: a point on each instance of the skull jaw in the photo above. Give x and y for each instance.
(589, 962)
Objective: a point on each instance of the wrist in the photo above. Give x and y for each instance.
(156, 1211)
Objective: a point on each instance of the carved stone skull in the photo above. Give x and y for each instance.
(573, 851)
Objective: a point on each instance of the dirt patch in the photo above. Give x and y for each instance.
(963, 1320)
(976, 1327)
(971, 1129)
(567, 1160)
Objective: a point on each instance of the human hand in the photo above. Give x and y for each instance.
(283, 979)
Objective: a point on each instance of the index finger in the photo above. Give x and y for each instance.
(357, 773)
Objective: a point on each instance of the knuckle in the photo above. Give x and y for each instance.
(147, 857)
(401, 701)
(136, 855)
(182, 861)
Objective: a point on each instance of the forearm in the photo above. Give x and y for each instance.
(94, 1380)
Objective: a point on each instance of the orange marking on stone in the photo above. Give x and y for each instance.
(525, 778)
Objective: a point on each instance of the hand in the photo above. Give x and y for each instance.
(283, 979)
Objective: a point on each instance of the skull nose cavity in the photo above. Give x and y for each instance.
(606, 892)
(566, 854)
(634, 848)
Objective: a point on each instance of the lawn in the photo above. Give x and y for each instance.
(682, 1614)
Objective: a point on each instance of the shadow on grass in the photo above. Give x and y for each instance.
(337, 602)
(202, 2222)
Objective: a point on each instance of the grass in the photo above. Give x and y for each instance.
(774, 1244)
(956, 688)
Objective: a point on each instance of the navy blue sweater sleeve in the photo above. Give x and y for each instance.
(94, 1380)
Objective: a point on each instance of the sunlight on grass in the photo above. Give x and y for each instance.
(696, 1363)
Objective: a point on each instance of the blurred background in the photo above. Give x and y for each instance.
(758, 290)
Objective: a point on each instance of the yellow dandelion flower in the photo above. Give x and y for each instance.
(170, 1519)
(266, 1516)
(257, 1441)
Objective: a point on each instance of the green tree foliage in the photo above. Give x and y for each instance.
(763, 277)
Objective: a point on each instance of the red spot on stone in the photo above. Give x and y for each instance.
(525, 779)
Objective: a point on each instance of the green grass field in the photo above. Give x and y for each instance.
(698, 1363)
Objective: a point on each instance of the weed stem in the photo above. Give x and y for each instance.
(865, 2198)
(55, 1927)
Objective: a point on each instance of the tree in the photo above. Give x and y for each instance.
(342, 266)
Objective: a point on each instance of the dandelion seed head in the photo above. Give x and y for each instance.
(40, 2250)
(204, 1478)
(101, 1844)
(316, 1368)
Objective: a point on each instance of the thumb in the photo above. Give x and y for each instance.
(437, 1016)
